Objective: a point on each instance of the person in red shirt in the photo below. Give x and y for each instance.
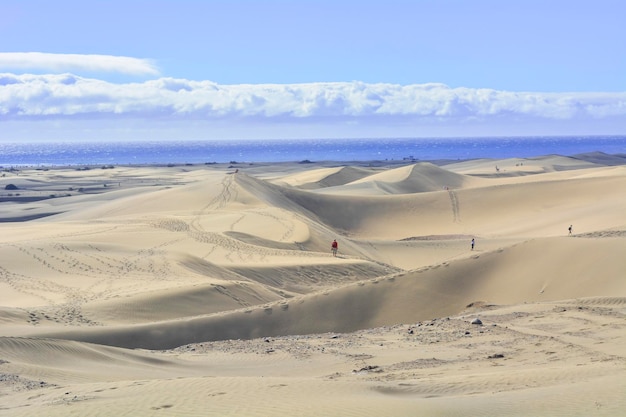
(333, 247)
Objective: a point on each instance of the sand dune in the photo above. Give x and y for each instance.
(326, 177)
(195, 290)
(543, 359)
(513, 167)
(418, 178)
(503, 276)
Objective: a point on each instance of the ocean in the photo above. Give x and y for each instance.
(297, 150)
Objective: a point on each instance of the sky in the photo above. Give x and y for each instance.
(243, 69)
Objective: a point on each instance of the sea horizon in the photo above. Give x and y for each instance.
(142, 152)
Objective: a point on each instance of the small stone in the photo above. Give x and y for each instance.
(477, 321)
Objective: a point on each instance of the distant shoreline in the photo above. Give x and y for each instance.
(596, 157)
(276, 151)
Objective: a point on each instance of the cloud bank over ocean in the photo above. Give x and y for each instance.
(67, 95)
(62, 104)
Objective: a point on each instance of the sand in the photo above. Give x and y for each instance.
(211, 290)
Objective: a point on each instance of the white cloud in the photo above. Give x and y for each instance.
(76, 63)
(179, 104)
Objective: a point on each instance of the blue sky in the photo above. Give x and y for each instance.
(120, 70)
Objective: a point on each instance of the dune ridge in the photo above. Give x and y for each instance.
(503, 276)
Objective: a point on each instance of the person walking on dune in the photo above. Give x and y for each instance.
(473, 242)
(570, 229)
(333, 247)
